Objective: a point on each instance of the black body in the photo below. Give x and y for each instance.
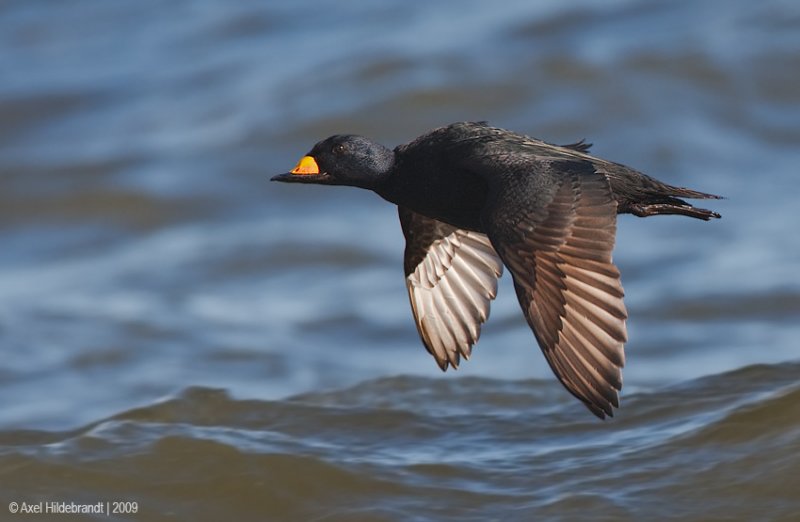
(473, 198)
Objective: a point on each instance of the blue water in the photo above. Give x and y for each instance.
(177, 331)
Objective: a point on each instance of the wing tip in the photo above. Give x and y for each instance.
(601, 411)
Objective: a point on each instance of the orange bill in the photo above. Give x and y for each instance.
(306, 165)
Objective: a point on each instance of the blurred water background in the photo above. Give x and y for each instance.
(178, 332)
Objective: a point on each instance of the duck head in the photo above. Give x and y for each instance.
(342, 160)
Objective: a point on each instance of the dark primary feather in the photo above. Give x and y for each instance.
(559, 255)
(579, 146)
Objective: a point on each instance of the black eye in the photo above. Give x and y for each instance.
(338, 149)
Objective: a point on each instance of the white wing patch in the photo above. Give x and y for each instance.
(451, 290)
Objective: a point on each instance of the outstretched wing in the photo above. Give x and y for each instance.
(451, 276)
(559, 254)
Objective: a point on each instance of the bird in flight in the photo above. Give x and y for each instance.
(474, 198)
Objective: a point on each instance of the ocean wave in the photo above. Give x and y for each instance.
(392, 446)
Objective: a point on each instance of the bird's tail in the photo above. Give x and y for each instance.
(666, 200)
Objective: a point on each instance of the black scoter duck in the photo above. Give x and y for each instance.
(473, 198)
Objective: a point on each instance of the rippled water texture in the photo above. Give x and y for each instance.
(178, 332)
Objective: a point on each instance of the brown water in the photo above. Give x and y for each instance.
(177, 332)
